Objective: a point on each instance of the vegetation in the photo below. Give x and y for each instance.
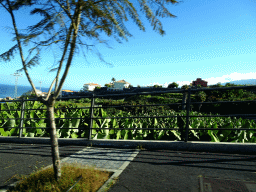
(173, 85)
(108, 85)
(113, 80)
(218, 135)
(120, 111)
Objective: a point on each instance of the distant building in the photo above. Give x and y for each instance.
(199, 81)
(9, 98)
(65, 93)
(90, 86)
(32, 92)
(119, 85)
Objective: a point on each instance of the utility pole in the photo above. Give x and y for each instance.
(40, 83)
(16, 82)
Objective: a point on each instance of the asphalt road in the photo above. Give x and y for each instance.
(150, 170)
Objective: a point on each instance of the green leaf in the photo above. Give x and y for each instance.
(194, 133)
(32, 113)
(213, 136)
(112, 131)
(118, 134)
(24, 133)
(39, 132)
(155, 122)
(126, 135)
(11, 123)
(177, 134)
(4, 133)
(99, 135)
(138, 137)
(13, 131)
(74, 135)
(75, 122)
(161, 134)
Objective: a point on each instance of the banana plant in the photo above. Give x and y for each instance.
(10, 124)
(10, 114)
(132, 124)
(103, 123)
(65, 131)
(246, 136)
(29, 120)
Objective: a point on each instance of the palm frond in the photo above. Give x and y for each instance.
(33, 62)
(6, 56)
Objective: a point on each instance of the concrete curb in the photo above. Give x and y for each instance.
(220, 147)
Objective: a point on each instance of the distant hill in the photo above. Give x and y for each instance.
(242, 82)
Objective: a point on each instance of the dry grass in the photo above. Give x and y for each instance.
(43, 179)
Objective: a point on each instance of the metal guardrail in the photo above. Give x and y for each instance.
(185, 102)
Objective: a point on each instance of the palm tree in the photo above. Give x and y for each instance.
(85, 18)
(113, 80)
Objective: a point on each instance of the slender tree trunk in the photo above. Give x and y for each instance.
(52, 99)
(54, 140)
(77, 16)
(20, 48)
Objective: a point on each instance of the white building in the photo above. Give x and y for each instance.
(37, 91)
(119, 85)
(90, 86)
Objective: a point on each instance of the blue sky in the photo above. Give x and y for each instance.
(212, 40)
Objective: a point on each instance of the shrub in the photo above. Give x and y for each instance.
(136, 98)
(85, 100)
(173, 85)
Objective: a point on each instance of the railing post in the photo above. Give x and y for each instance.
(91, 116)
(184, 98)
(22, 109)
(187, 118)
(181, 125)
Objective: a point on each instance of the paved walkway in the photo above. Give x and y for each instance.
(141, 170)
